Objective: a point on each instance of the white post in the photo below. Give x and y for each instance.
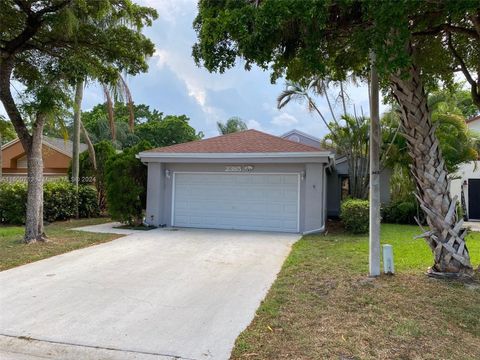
(374, 238)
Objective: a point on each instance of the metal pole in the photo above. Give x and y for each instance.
(374, 238)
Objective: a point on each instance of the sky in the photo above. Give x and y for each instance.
(175, 85)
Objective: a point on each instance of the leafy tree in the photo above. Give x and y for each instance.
(99, 127)
(452, 100)
(171, 130)
(426, 42)
(349, 137)
(6, 130)
(126, 181)
(234, 124)
(47, 47)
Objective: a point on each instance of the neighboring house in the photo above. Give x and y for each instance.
(466, 181)
(247, 180)
(57, 154)
(337, 176)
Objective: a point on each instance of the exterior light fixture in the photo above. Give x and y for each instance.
(167, 173)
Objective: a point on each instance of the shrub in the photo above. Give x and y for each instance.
(87, 202)
(13, 202)
(400, 212)
(126, 181)
(59, 201)
(355, 214)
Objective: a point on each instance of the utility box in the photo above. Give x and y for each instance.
(388, 266)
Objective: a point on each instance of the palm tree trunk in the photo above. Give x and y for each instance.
(446, 236)
(76, 139)
(91, 149)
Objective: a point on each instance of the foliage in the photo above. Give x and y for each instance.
(97, 122)
(126, 182)
(6, 130)
(234, 124)
(354, 214)
(452, 100)
(350, 137)
(401, 212)
(457, 142)
(170, 130)
(13, 198)
(104, 150)
(87, 202)
(151, 126)
(59, 201)
(330, 39)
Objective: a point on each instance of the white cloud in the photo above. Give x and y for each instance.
(254, 124)
(284, 120)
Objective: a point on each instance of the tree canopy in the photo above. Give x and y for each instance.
(47, 47)
(234, 124)
(304, 39)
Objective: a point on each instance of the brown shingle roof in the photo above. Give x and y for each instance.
(248, 141)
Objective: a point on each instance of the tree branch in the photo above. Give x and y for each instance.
(6, 68)
(465, 71)
(448, 28)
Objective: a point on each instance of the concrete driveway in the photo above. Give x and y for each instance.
(159, 294)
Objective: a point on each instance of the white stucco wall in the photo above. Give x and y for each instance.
(465, 172)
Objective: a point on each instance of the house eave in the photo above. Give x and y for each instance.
(314, 156)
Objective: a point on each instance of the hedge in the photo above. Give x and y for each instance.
(59, 201)
(355, 215)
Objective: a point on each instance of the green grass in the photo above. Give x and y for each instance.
(13, 252)
(323, 306)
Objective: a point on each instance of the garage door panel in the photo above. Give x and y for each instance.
(236, 201)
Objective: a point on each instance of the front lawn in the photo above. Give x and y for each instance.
(13, 252)
(323, 306)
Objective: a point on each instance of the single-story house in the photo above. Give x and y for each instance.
(466, 181)
(57, 154)
(338, 185)
(247, 180)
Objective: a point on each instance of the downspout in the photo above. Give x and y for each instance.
(330, 164)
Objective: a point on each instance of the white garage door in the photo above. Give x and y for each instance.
(267, 202)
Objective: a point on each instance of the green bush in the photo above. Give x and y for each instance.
(355, 214)
(126, 180)
(400, 212)
(13, 202)
(87, 202)
(59, 201)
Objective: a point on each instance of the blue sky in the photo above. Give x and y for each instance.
(175, 85)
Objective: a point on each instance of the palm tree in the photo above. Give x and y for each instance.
(234, 124)
(349, 137)
(115, 92)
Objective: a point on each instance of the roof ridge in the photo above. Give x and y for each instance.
(291, 141)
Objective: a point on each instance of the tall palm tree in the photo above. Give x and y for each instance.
(118, 91)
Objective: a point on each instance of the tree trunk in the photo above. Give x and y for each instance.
(34, 218)
(91, 149)
(76, 139)
(446, 236)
